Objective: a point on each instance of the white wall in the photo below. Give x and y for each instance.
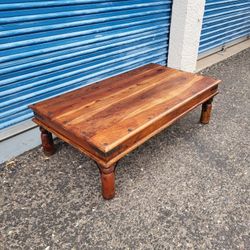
(185, 30)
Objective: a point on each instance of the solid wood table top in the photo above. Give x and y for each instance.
(107, 113)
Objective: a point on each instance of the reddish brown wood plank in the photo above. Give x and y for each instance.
(104, 115)
(92, 93)
(82, 112)
(131, 123)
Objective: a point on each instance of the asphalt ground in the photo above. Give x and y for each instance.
(186, 188)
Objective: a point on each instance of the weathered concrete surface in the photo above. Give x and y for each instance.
(187, 188)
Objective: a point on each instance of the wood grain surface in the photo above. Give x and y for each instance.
(110, 118)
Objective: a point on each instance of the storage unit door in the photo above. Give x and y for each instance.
(225, 22)
(51, 47)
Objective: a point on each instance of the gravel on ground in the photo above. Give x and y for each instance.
(186, 188)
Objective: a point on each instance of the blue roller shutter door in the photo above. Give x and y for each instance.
(51, 47)
(225, 21)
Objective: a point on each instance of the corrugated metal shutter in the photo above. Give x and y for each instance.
(51, 47)
(224, 22)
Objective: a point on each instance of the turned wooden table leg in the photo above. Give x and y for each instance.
(206, 111)
(47, 142)
(107, 181)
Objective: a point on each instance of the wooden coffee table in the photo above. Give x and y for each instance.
(108, 119)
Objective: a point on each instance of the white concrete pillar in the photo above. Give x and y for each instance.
(185, 30)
